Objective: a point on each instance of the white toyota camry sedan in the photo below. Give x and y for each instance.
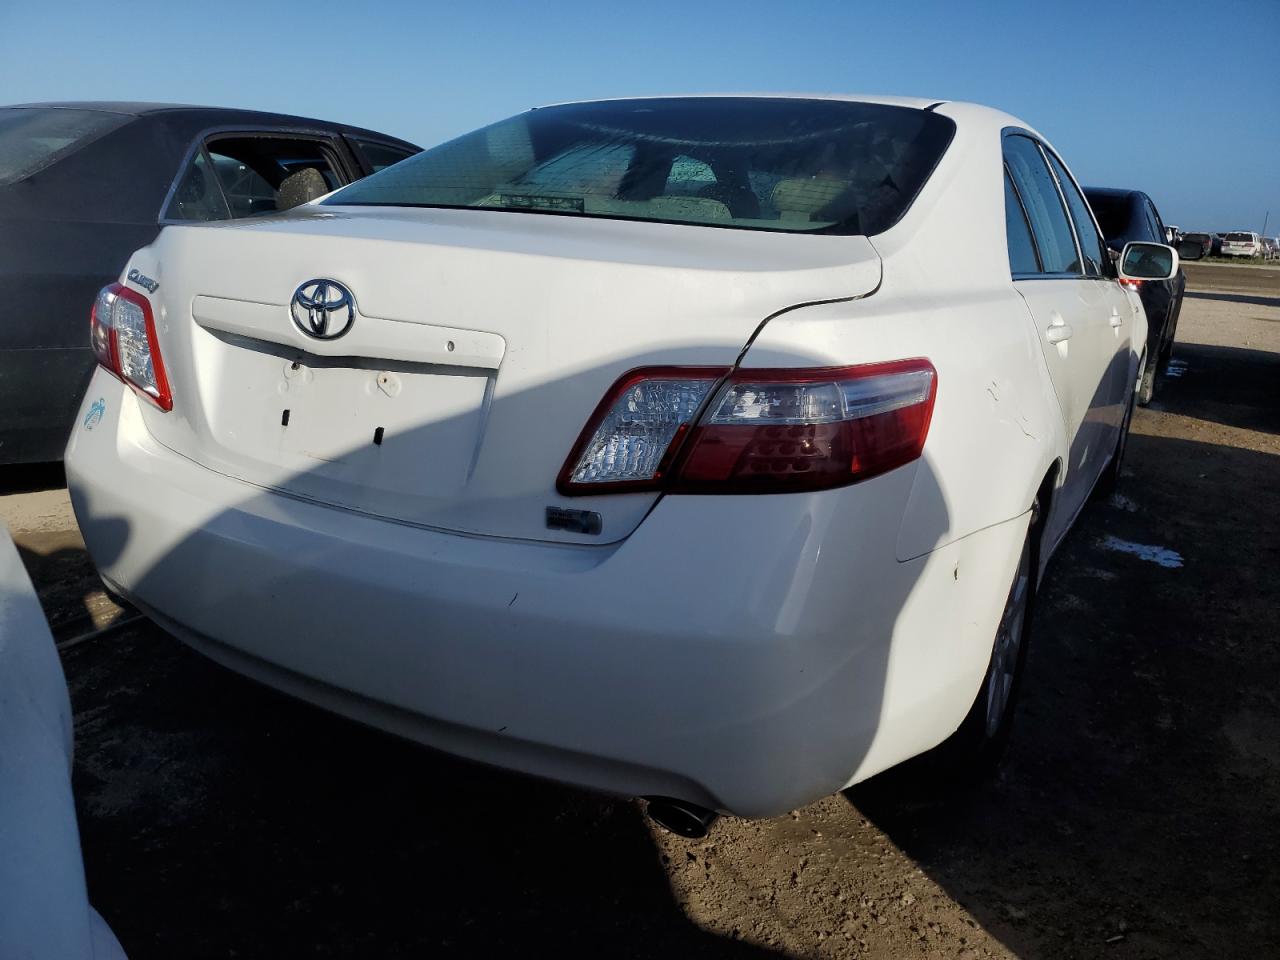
(705, 449)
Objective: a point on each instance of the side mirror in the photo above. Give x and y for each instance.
(1148, 261)
(1190, 250)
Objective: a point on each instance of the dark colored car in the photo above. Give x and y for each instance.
(1203, 241)
(1126, 216)
(83, 185)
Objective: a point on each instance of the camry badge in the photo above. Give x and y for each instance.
(323, 309)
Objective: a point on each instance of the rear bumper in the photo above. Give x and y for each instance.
(710, 656)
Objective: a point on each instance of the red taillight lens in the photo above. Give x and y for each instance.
(122, 331)
(764, 431)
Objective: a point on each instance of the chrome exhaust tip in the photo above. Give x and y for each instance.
(682, 818)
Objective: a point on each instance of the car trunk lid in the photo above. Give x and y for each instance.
(480, 344)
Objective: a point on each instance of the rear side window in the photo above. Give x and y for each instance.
(1113, 213)
(1048, 217)
(198, 196)
(253, 175)
(1091, 243)
(1154, 214)
(1022, 249)
(379, 156)
(32, 138)
(783, 164)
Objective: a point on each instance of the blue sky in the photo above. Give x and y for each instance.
(1134, 94)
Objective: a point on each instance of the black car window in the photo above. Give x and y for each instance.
(247, 191)
(379, 155)
(264, 173)
(1048, 217)
(784, 164)
(1092, 246)
(31, 138)
(1022, 248)
(197, 195)
(1157, 225)
(1113, 211)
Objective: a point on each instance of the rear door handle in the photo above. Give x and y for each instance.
(1116, 320)
(1058, 332)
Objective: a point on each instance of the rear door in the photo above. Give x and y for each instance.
(1077, 311)
(1117, 304)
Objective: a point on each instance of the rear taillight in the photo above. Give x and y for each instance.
(763, 431)
(122, 331)
(631, 438)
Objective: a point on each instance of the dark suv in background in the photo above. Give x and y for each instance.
(1126, 216)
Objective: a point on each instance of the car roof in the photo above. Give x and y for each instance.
(215, 115)
(1113, 192)
(125, 107)
(917, 102)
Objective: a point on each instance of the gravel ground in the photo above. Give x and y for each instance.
(1136, 815)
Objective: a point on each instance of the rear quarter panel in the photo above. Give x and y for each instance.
(947, 295)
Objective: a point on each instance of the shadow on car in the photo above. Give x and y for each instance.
(247, 820)
(254, 823)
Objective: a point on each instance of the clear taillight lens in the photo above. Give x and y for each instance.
(101, 332)
(764, 431)
(122, 331)
(629, 440)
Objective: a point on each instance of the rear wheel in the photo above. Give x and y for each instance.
(1111, 478)
(973, 752)
(975, 749)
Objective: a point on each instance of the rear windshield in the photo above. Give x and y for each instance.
(1112, 213)
(803, 166)
(1196, 237)
(34, 137)
(1240, 237)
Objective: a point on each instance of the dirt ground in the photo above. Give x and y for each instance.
(1137, 815)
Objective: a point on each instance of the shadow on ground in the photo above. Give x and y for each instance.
(1231, 386)
(1235, 298)
(222, 819)
(29, 477)
(1138, 810)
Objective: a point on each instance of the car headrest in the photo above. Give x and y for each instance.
(801, 198)
(301, 186)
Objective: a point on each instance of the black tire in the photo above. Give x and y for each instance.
(972, 754)
(1147, 381)
(1110, 478)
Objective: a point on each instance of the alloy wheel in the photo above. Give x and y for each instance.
(1008, 645)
